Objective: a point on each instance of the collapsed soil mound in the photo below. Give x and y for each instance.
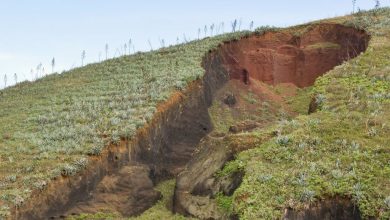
(129, 192)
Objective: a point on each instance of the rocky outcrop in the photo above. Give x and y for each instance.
(196, 185)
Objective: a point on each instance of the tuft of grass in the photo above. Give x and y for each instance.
(224, 203)
(323, 45)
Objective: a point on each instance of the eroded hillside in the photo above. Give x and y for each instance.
(220, 126)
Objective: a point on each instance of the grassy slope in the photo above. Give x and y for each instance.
(49, 127)
(342, 150)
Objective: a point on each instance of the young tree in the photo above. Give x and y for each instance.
(234, 25)
(217, 27)
(199, 33)
(5, 80)
(82, 57)
(162, 43)
(106, 48)
(37, 73)
(125, 49)
(38, 70)
(53, 63)
(130, 46)
(239, 24)
(150, 44)
(16, 78)
(251, 25)
(212, 29)
(205, 31)
(377, 4)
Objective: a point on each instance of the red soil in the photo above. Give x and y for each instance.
(278, 57)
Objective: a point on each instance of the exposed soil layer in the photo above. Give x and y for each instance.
(278, 57)
(130, 187)
(275, 58)
(123, 174)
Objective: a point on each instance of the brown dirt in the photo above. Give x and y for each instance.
(277, 57)
(116, 193)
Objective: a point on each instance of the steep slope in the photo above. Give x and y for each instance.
(62, 134)
(331, 164)
(69, 139)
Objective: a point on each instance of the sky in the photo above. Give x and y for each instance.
(34, 32)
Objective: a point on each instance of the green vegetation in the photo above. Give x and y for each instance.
(300, 102)
(97, 216)
(224, 202)
(50, 127)
(161, 210)
(341, 150)
(323, 45)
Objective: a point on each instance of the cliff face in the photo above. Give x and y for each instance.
(284, 58)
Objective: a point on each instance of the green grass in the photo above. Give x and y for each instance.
(300, 102)
(342, 150)
(224, 203)
(160, 210)
(50, 127)
(323, 45)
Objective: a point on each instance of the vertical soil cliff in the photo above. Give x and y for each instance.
(285, 58)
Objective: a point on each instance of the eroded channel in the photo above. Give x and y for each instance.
(263, 69)
(176, 142)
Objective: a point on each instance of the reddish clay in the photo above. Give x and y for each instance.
(284, 58)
